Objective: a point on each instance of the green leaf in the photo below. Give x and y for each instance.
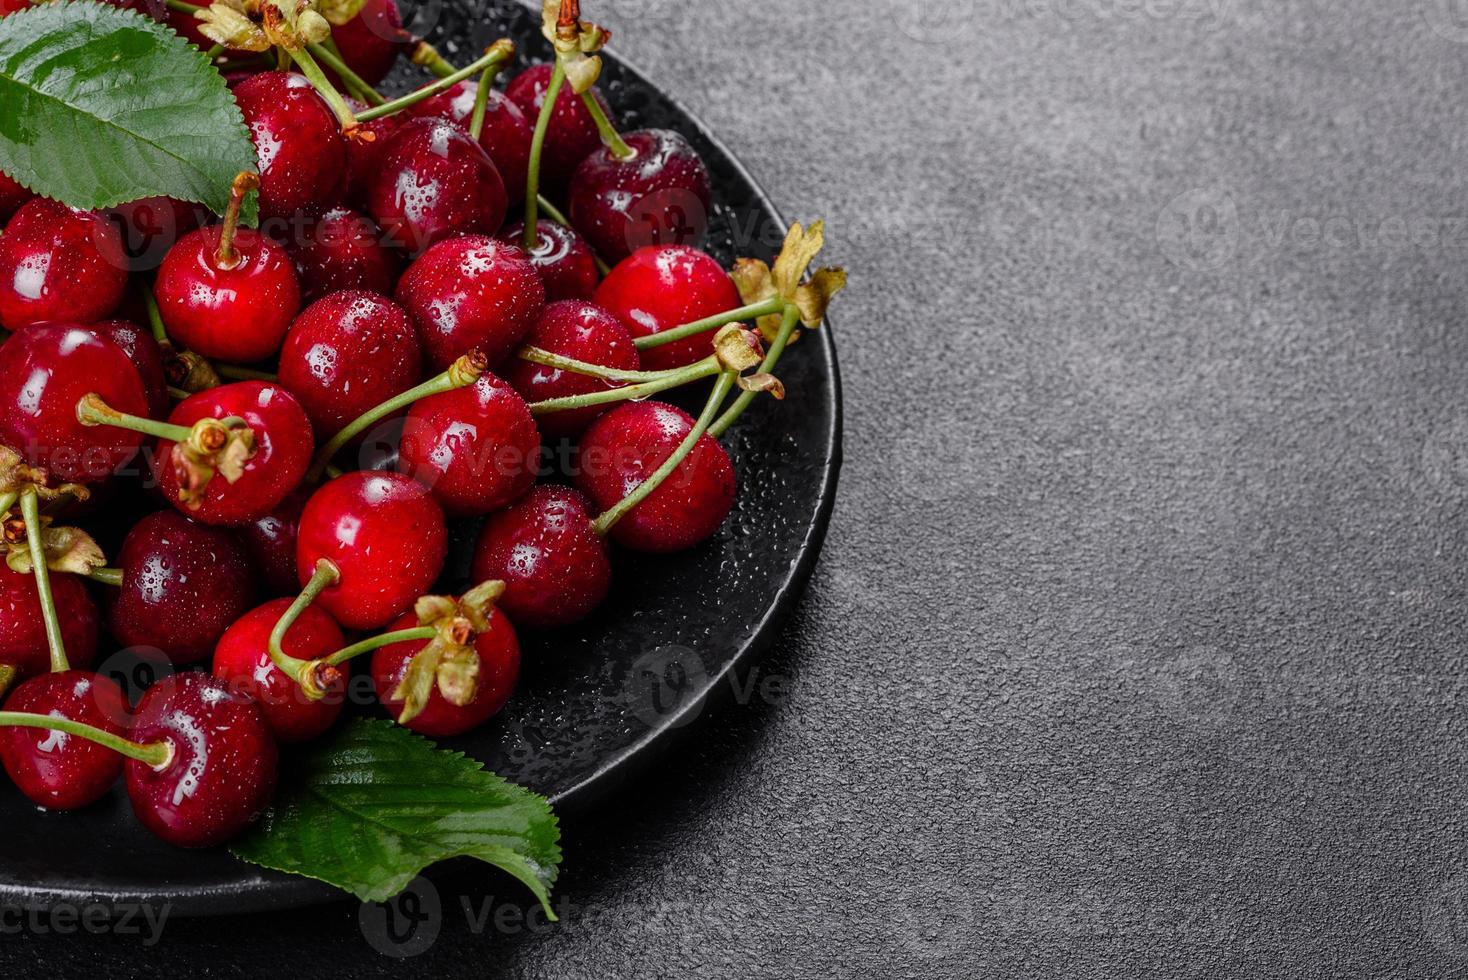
(374, 805)
(100, 106)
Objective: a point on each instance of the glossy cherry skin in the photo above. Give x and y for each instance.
(387, 537)
(661, 196)
(555, 566)
(23, 632)
(665, 286)
(152, 226)
(499, 669)
(581, 331)
(471, 293)
(12, 196)
(371, 41)
(242, 659)
(283, 449)
(223, 769)
(237, 313)
(53, 769)
(561, 257)
(433, 181)
(303, 155)
(572, 135)
(348, 353)
(183, 584)
(140, 347)
(271, 541)
(364, 156)
(476, 448)
(59, 265)
(44, 371)
(506, 135)
(344, 250)
(624, 447)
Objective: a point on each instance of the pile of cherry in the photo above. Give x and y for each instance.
(310, 402)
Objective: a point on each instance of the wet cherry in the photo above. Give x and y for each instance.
(344, 250)
(433, 180)
(12, 196)
(59, 265)
(572, 135)
(364, 155)
(52, 768)
(583, 332)
(23, 646)
(499, 669)
(371, 41)
(242, 659)
(554, 565)
(271, 541)
(659, 196)
(506, 135)
(562, 258)
(153, 225)
(303, 155)
(662, 287)
(140, 347)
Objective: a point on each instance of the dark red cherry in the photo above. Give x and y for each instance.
(140, 347)
(506, 135)
(59, 265)
(23, 643)
(234, 310)
(561, 257)
(11, 6)
(471, 293)
(572, 135)
(660, 196)
(283, 449)
(183, 584)
(303, 155)
(222, 769)
(152, 226)
(53, 769)
(554, 565)
(665, 286)
(371, 41)
(434, 181)
(364, 156)
(12, 196)
(344, 250)
(476, 447)
(386, 535)
(242, 659)
(44, 371)
(348, 353)
(499, 669)
(626, 446)
(583, 332)
(271, 541)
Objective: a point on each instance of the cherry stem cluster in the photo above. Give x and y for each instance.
(328, 54)
(663, 381)
(772, 357)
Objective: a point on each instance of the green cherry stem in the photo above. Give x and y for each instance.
(537, 151)
(378, 642)
(306, 61)
(309, 674)
(7, 501)
(752, 311)
(499, 53)
(30, 513)
(545, 358)
(609, 135)
(426, 56)
(155, 316)
(772, 357)
(155, 754)
(214, 51)
(604, 524)
(462, 373)
(92, 410)
(694, 372)
(107, 576)
(326, 55)
(179, 5)
(481, 100)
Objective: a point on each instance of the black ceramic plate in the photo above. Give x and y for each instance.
(595, 703)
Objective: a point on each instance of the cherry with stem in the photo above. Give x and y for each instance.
(30, 511)
(315, 677)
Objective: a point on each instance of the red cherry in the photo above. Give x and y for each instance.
(271, 541)
(303, 155)
(283, 448)
(348, 353)
(665, 286)
(499, 669)
(387, 537)
(554, 565)
(12, 194)
(661, 196)
(572, 135)
(562, 258)
(140, 347)
(583, 332)
(475, 447)
(235, 311)
(344, 250)
(44, 371)
(506, 135)
(53, 769)
(371, 41)
(152, 226)
(23, 632)
(222, 768)
(626, 446)
(59, 265)
(11, 6)
(433, 181)
(182, 585)
(242, 659)
(364, 156)
(471, 293)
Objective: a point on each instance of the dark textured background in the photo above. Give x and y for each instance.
(1136, 647)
